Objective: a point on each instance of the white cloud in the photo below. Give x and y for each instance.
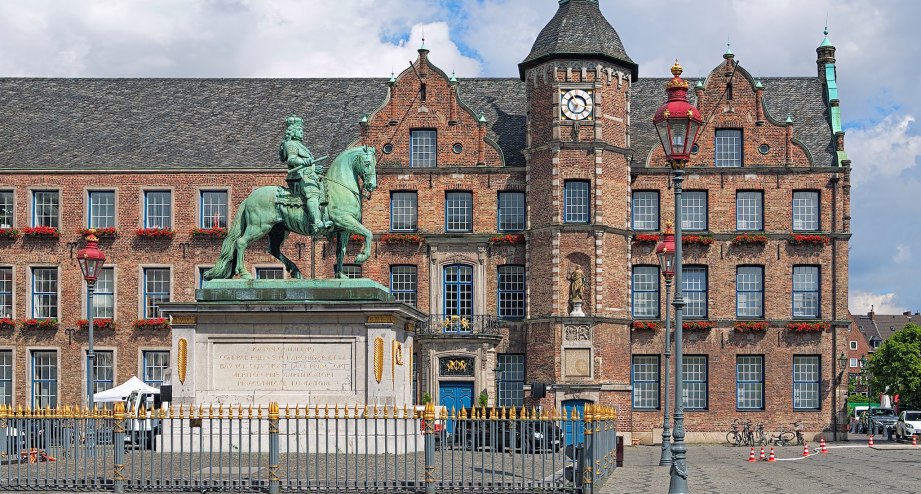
(883, 150)
(902, 253)
(882, 303)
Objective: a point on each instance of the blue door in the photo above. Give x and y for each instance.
(455, 395)
(574, 429)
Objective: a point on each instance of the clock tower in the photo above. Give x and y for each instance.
(578, 78)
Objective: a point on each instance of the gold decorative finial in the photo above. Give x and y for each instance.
(677, 69)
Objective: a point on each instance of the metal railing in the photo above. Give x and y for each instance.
(338, 449)
(449, 324)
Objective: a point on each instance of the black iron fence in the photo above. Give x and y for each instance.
(459, 325)
(329, 449)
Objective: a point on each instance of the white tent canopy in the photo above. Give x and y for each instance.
(122, 391)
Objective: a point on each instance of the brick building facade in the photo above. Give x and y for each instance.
(491, 193)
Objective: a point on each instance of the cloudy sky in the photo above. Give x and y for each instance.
(878, 69)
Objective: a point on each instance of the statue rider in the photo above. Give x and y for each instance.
(303, 172)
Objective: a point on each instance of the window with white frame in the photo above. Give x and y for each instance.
(695, 382)
(750, 210)
(646, 210)
(510, 379)
(156, 290)
(270, 273)
(403, 284)
(750, 382)
(853, 362)
(156, 363)
(45, 208)
(351, 271)
(44, 379)
(7, 209)
(6, 377)
(423, 149)
(6, 292)
(511, 294)
(805, 210)
(694, 210)
(645, 292)
(158, 209)
(45, 293)
(750, 291)
(404, 211)
(805, 291)
(104, 295)
(458, 211)
(694, 284)
(806, 379)
(646, 382)
(852, 344)
(103, 370)
(728, 148)
(101, 209)
(576, 202)
(511, 211)
(213, 209)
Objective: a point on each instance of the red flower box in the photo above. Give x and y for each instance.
(7, 323)
(100, 232)
(809, 240)
(41, 231)
(155, 323)
(9, 233)
(511, 238)
(807, 327)
(155, 232)
(698, 325)
(356, 238)
(50, 324)
(209, 232)
(98, 323)
(748, 239)
(751, 326)
(697, 240)
(406, 238)
(646, 238)
(651, 325)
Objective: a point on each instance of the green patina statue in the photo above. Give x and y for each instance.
(276, 211)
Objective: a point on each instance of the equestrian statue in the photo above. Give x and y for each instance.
(301, 208)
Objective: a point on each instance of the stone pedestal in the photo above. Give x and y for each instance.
(577, 310)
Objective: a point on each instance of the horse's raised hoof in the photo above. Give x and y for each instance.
(360, 258)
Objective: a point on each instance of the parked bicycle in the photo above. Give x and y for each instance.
(734, 436)
(785, 437)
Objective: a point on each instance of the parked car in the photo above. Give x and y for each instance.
(881, 421)
(526, 436)
(908, 424)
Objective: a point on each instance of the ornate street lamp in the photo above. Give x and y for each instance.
(678, 122)
(665, 250)
(91, 260)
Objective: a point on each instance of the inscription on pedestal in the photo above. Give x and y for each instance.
(282, 366)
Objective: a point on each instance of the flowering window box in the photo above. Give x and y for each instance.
(697, 240)
(808, 240)
(698, 325)
(216, 232)
(749, 239)
(41, 232)
(648, 325)
(98, 323)
(155, 232)
(807, 327)
(9, 233)
(507, 239)
(401, 238)
(100, 232)
(49, 324)
(646, 238)
(355, 237)
(7, 323)
(154, 323)
(751, 326)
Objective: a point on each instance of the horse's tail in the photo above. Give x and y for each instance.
(223, 268)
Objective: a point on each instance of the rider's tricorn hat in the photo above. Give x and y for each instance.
(292, 120)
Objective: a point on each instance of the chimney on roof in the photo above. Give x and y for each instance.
(871, 314)
(907, 313)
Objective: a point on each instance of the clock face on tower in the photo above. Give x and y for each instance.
(576, 104)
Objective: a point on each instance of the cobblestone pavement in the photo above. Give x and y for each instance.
(849, 466)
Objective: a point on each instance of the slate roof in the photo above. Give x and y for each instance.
(578, 30)
(138, 124)
(883, 326)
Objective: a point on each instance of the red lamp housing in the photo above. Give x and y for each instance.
(677, 121)
(665, 250)
(91, 258)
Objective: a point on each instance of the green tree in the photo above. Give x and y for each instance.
(897, 364)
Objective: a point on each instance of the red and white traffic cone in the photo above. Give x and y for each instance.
(870, 444)
(823, 446)
(914, 439)
(751, 455)
(805, 449)
(771, 457)
(762, 458)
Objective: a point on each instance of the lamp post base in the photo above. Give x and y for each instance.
(666, 458)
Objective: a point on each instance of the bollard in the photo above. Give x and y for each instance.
(273, 448)
(119, 445)
(428, 416)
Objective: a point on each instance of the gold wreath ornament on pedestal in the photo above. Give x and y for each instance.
(181, 359)
(378, 359)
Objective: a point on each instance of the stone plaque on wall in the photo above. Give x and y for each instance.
(577, 332)
(282, 366)
(577, 362)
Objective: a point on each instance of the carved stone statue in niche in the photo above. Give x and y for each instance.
(576, 279)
